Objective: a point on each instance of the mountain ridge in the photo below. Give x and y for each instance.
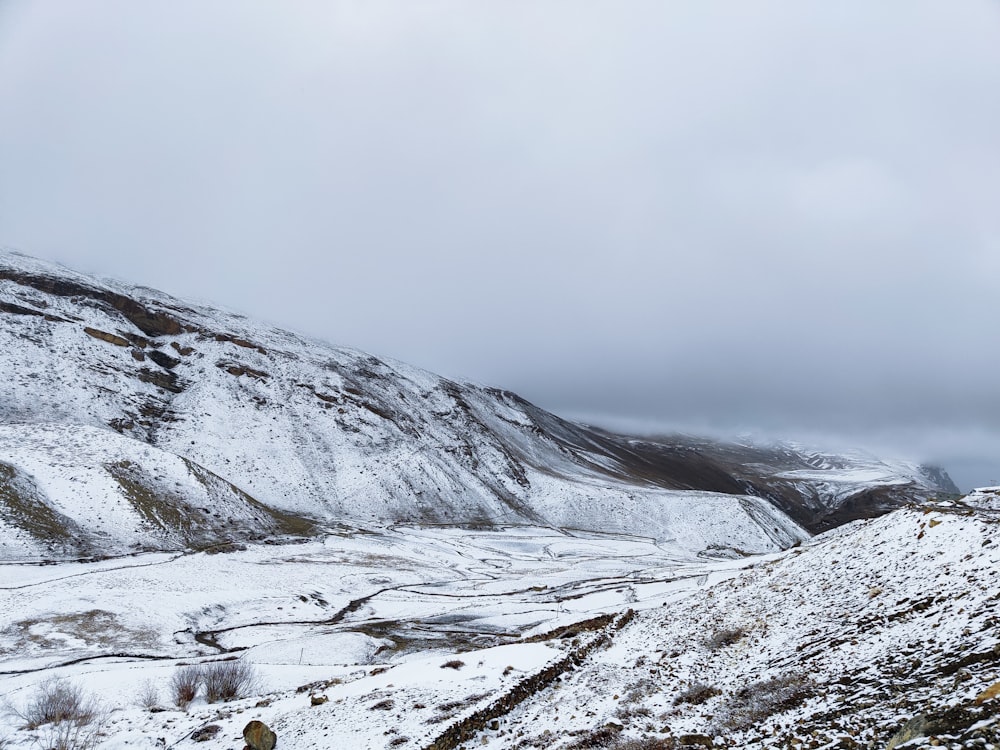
(335, 435)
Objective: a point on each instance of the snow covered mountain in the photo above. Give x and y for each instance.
(130, 420)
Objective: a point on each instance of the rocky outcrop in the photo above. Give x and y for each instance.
(149, 321)
(967, 725)
(105, 336)
(989, 694)
(163, 359)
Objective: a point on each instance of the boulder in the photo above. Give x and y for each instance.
(990, 693)
(259, 736)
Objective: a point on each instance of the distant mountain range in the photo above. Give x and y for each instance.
(132, 421)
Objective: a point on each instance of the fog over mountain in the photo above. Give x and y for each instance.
(720, 217)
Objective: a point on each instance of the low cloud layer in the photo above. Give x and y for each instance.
(768, 216)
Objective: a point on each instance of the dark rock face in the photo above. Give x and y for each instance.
(151, 322)
(259, 736)
(163, 359)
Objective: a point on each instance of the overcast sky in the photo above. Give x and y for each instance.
(778, 217)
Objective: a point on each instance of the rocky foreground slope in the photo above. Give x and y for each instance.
(874, 635)
(263, 432)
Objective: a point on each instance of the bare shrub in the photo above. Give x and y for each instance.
(228, 680)
(628, 714)
(184, 685)
(71, 735)
(148, 696)
(696, 694)
(761, 700)
(58, 701)
(606, 736)
(722, 638)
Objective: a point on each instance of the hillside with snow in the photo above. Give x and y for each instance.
(262, 432)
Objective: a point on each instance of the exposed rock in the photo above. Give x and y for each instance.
(105, 336)
(136, 340)
(163, 359)
(151, 322)
(168, 381)
(121, 424)
(206, 733)
(695, 740)
(14, 309)
(240, 370)
(466, 728)
(240, 342)
(953, 721)
(990, 693)
(259, 736)
(10, 307)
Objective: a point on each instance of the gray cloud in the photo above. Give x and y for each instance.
(768, 215)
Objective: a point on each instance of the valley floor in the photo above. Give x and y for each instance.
(528, 637)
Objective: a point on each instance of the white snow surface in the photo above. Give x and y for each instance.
(377, 613)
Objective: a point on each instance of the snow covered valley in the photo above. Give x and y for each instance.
(523, 637)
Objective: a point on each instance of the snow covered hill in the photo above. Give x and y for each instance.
(874, 634)
(271, 432)
(72, 490)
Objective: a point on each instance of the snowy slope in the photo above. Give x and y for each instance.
(79, 491)
(879, 631)
(841, 643)
(337, 435)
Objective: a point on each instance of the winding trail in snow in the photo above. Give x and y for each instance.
(479, 567)
(47, 581)
(210, 637)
